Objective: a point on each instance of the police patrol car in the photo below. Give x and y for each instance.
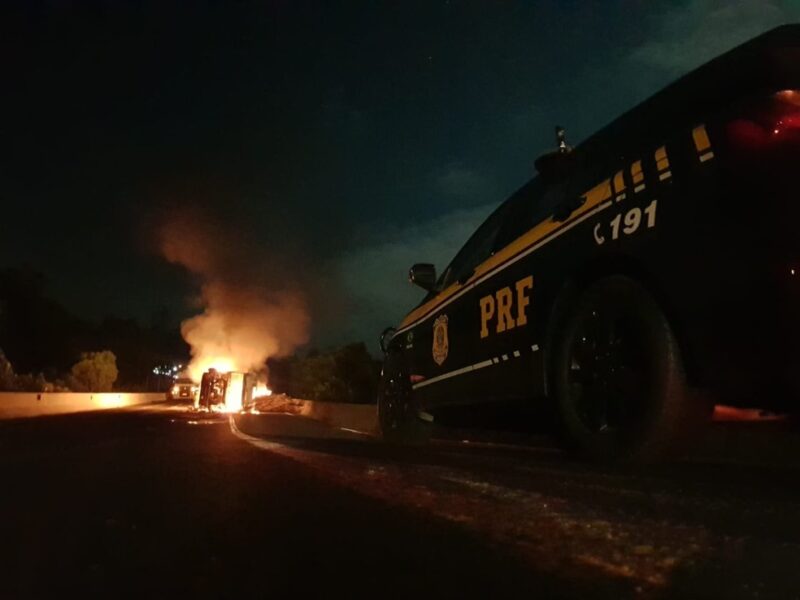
(659, 258)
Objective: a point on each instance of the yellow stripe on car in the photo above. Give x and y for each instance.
(702, 143)
(592, 199)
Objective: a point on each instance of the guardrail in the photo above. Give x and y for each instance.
(33, 404)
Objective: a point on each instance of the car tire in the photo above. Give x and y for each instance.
(619, 382)
(398, 417)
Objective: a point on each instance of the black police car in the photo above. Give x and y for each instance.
(637, 278)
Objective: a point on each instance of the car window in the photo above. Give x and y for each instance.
(530, 206)
(477, 249)
(591, 170)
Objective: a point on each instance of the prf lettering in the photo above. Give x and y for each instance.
(508, 307)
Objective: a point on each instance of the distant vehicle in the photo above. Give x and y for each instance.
(182, 389)
(642, 275)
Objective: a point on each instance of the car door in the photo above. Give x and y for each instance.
(439, 344)
(507, 285)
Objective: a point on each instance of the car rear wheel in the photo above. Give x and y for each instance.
(398, 416)
(619, 381)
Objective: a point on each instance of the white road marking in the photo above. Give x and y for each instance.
(261, 443)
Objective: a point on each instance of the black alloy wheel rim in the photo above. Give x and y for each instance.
(608, 374)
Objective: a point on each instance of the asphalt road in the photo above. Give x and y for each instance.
(159, 502)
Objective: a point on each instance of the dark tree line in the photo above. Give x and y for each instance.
(39, 336)
(346, 374)
(43, 342)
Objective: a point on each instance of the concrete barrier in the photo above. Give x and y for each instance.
(32, 404)
(360, 417)
(287, 425)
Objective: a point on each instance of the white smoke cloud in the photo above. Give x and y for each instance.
(247, 316)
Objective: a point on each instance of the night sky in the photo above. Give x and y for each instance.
(346, 140)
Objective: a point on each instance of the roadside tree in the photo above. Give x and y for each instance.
(94, 372)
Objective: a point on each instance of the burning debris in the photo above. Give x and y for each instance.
(229, 392)
(246, 318)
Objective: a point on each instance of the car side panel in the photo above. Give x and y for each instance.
(639, 217)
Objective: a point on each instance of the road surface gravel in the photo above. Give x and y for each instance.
(160, 501)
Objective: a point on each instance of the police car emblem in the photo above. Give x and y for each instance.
(441, 345)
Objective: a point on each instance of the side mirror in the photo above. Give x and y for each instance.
(423, 275)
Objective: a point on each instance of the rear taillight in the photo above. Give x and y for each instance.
(787, 124)
(767, 123)
(786, 113)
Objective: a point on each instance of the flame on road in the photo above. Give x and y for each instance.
(224, 408)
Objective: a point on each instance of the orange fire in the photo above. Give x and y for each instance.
(261, 391)
(201, 364)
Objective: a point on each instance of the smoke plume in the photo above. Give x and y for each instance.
(247, 315)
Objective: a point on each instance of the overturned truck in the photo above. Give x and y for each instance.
(226, 391)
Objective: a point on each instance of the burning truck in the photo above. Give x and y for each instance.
(230, 391)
